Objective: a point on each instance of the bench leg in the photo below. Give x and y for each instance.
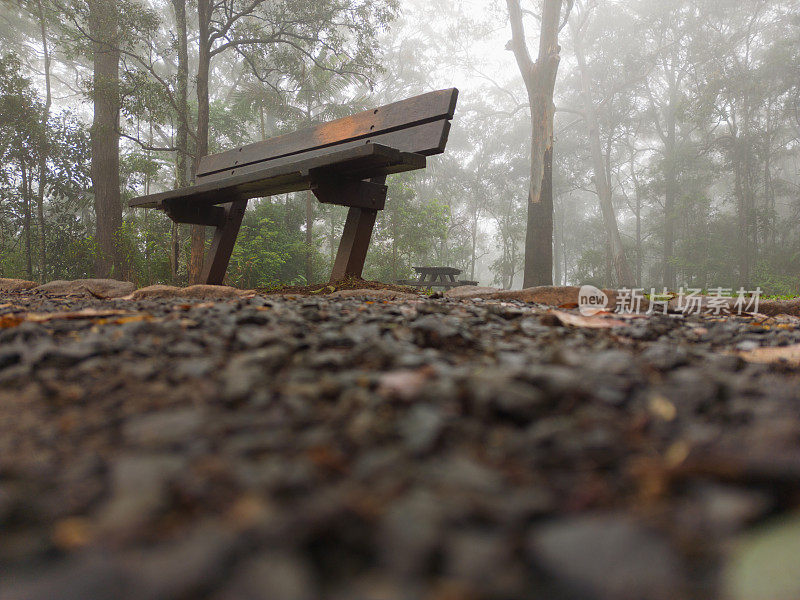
(219, 254)
(355, 238)
(354, 243)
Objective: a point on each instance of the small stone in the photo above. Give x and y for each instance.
(278, 575)
(164, 428)
(184, 567)
(409, 532)
(665, 357)
(368, 294)
(477, 557)
(422, 427)
(608, 556)
(9, 357)
(88, 576)
(138, 490)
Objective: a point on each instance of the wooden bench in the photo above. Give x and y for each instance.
(342, 162)
(443, 277)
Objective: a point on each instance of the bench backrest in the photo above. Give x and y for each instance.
(419, 124)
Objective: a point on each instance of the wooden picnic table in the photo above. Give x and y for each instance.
(444, 277)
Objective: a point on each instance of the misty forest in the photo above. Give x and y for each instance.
(674, 147)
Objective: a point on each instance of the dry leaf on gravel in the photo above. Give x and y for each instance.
(767, 355)
(9, 321)
(87, 313)
(593, 322)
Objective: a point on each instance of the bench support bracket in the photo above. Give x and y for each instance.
(213, 216)
(219, 254)
(357, 231)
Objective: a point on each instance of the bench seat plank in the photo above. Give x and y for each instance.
(425, 108)
(425, 136)
(289, 175)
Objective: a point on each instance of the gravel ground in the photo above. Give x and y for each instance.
(296, 448)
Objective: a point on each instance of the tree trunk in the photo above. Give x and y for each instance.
(637, 209)
(619, 262)
(474, 245)
(182, 139)
(540, 79)
(670, 190)
(558, 226)
(103, 26)
(43, 147)
(309, 238)
(539, 232)
(204, 10)
(26, 224)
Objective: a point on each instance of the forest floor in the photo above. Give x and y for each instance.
(377, 446)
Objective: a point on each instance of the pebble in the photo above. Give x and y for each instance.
(608, 556)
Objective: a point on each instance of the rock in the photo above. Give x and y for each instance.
(665, 356)
(164, 428)
(477, 557)
(184, 567)
(422, 427)
(275, 574)
(609, 557)
(765, 563)
(463, 475)
(90, 576)
(15, 285)
(9, 357)
(404, 384)
(437, 331)
(470, 291)
(409, 532)
(98, 288)
(138, 490)
(368, 294)
(200, 292)
(244, 375)
(727, 509)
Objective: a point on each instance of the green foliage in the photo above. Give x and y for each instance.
(63, 143)
(270, 249)
(406, 232)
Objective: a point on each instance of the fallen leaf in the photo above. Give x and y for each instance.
(593, 322)
(12, 320)
(127, 319)
(764, 563)
(662, 408)
(768, 354)
(86, 313)
(72, 533)
(9, 321)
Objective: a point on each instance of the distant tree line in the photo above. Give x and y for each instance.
(674, 148)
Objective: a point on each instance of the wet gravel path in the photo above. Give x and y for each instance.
(302, 448)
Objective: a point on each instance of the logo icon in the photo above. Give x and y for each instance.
(591, 300)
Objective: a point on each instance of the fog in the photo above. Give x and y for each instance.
(675, 139)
